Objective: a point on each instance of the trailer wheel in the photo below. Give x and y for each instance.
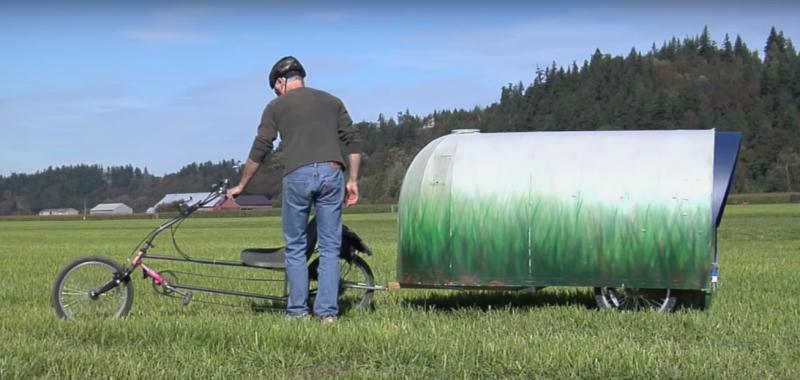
(635, 299)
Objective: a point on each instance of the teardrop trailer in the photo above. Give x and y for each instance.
(631, 214)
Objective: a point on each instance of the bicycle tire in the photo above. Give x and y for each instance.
(70, 294)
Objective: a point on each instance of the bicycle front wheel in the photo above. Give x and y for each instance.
(73, 292)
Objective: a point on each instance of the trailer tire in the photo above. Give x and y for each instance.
(635, 299)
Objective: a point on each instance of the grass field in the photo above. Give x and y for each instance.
(750, 332)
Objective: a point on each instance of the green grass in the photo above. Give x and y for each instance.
(750, 331)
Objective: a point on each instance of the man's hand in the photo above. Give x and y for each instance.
(250, 169)
(234, 191)
(351, 194)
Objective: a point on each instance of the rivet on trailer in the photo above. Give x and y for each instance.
(631, 214)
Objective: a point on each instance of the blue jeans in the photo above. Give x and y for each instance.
(320, 185)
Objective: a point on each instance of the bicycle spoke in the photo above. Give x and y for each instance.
(75, 293)
(68, 305)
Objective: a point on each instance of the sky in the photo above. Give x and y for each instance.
(161, 84)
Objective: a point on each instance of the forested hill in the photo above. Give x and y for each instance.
(691, 83)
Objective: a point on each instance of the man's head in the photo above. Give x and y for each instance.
(286, 74)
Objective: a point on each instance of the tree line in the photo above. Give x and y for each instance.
(690, 83)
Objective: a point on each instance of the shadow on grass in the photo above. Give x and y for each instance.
(345, 305)
(489, 300)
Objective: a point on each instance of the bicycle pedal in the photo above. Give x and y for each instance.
(187, 298)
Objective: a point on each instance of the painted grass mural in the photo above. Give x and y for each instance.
(456, 230)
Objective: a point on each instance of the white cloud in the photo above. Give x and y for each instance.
(107, 125)
(110, 125)
(419, 98)
(535, 42)
(173, 26)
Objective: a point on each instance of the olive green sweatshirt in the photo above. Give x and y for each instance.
(314, 127)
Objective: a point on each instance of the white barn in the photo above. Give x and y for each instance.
(188, 198)
(58, 211)
(111, 209)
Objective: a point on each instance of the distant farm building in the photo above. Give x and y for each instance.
(111, 209)
(246, 202)
(429, 123)
(188, 198)
(58, 211)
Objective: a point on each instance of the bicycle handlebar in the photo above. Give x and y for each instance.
(220, 189)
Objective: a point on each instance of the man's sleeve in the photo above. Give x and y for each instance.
(267, 132)
(348, 133)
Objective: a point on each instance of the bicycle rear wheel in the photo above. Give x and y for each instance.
(356, 283)
(73, 291)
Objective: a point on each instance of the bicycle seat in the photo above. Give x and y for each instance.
(264, 257)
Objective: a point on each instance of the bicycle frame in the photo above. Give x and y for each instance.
(137, 262)
(219, 190)
(86, 280)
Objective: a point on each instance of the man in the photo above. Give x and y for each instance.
(317, 133)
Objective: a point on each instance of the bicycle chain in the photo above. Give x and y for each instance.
(225, 277)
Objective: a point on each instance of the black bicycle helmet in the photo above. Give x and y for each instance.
(285, 67)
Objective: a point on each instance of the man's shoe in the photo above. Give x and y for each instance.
(301, 317)
(327, 319)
